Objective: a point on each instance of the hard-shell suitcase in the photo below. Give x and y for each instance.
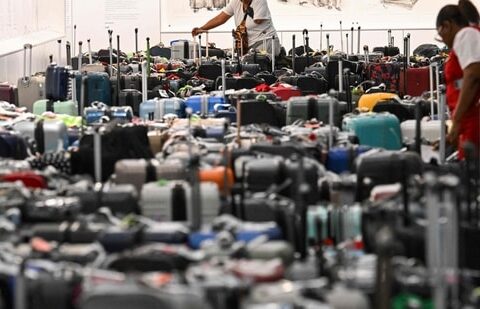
(131, 98)
(59, 107)
(98, 85)
(415, 82)
(172, 201)
(430, 130)
(133, 81)
(139, 172)
(183, 49)
(306, 108)
(203, 104)
(375, 130)
(30, 88)
(9, 93)
(341, 159)
(50, 135)
(156, 108)
(12, 145)
(57, 83)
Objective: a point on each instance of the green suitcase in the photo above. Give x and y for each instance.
(58, 107)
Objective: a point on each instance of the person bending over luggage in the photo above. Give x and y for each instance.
(462, 71)
(258, 22)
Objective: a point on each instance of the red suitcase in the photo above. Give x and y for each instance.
(285, 91)
(29, 179)
(416, 81)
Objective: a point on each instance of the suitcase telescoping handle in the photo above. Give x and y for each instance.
(68, 48)
(321, 37)
(83, 99)
(144, 81)
(59, 55)
(328, 47)
(331, 120)
(358, 38)
(367, 54)
(50, 59)
(26, 75)
(293, 54)
(110, 51)
(74, 38)
(346, 39)
(443, 129)
(340, 75)
(418, 126)
(341, 37)
(200, 50)
(149, 60)
(405, 65)
(136, 41)
(352, 33)
(90, 57)
(273, 54)
(389, 38)
(305, 35)
(80, 56)
(97, 153)
(118, 72)
(224, 81)
(206, 46)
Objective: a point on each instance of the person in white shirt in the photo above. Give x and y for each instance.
(259, 23)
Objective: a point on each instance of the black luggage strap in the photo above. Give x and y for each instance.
(151, 172)
(312, 109)
(351, 156)
(39, 135)
(179, 203)
(50, 106)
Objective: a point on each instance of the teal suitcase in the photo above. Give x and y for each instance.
(58, 107)
(378, 130)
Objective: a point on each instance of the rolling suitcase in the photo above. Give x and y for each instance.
(341, 159)
(172, 201)
(57, 83)
(139, 172)
(59, 107)
(156, 109)
(9, 93)
(203, 104)
(306, 108)
(50, 135)
(30, 88)
(131, 98)
(375, 130)
(368, 101)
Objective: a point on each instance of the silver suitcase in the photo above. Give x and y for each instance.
(30, 88)
(139, 172)
(172, 201)
(49, 135)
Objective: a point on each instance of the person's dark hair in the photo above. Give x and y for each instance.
(452, 13)
(469, 11)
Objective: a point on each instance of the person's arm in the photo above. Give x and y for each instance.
(218, 20)
(261, 12)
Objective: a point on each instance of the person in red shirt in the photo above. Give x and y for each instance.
(458, 27)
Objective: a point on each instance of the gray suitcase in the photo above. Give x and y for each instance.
(49, 135)
(309, 107)
(172, 201)
(30, 88)
(139, 172)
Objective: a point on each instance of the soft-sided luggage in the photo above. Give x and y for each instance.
(387, 73)
(261, 112)
(239, 82)
(210, 71)
(375, 130)
(172, 201)
(155, 109)
(203, 104)
(30, 88)
(368, 101)
(50, 135)
(285, 91)
(9, 93)
(12, 145)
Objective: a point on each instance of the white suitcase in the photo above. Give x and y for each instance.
(430, 131)
(49, 135)
(183, 49)
(157, 201)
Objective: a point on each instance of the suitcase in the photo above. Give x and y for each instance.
(341, 159)
(98, 85)
(132, 82)
(415, 82)
(261, 112)
(403, 111)
(131, 98)
(59, 107)
(30, 180)
(156, 109)
(172, 201)
(13, 146)
(430, 131)
(57, 83)
(368, 101)
(237, 83)
(307, 108)
(387, 73)
(183, 49)
(269, 78)
(203, 105)
(387, 51)
(49, 135)
(95, 113)
(252, 68)
(375, 130)
(308, 83)
(121, 114)
(210, 71)
(30, 88)
(9, 93)
(139, 172)
(385, 167)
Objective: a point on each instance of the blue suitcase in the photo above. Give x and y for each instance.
(56, 83)
(94, 113)
(380, 130)
(98, 88)
(226, 111)
(251, 232)
(204, 104)
(341, 159)
(156, 108)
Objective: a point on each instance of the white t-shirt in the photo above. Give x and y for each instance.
(256, 32)
(467, 46)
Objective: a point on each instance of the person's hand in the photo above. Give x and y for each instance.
(453, 134)
(196, 31)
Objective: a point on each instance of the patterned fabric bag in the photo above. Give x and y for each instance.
(241, 36)
(387, 73)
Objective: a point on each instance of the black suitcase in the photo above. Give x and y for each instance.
(210, 71)
(262, 112)
(132, 98)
